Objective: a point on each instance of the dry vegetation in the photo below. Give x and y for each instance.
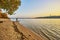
(3, 15)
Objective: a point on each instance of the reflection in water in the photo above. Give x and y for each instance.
(47, 28)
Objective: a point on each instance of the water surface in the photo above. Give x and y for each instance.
(47, 28)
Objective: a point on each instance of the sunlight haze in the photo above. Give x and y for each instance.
(37, 8)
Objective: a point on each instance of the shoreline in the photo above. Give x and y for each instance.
(15, 29)
(29, 32)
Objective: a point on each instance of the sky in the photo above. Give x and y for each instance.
(38, 8)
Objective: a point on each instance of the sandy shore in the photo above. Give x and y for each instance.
(15, 31)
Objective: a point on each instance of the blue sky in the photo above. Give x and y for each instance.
(35, 8)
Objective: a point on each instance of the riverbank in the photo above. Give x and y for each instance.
(10, 30)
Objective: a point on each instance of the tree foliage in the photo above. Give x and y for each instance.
(10, 5)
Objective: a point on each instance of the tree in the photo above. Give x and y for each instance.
(10, 5)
